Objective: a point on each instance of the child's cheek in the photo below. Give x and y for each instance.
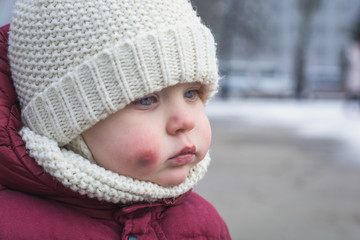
(145, 153)
(146, 158)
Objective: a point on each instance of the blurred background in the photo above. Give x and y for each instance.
(282, 48)
(286, 119)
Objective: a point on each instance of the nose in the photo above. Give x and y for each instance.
(180, 119)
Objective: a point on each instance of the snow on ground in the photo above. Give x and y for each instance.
(334, 119)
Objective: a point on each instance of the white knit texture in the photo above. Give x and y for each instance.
(87, 178)
(79, 146)
(75, 62)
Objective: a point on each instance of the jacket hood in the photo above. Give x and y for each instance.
(18, 170)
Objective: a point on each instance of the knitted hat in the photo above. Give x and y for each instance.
(74, 62)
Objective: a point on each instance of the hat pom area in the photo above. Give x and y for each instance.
(76, 62)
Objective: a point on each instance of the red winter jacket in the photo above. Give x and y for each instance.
(33, 205)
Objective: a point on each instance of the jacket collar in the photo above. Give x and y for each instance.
(107, 211)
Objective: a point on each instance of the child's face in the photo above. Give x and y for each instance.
(158, 138)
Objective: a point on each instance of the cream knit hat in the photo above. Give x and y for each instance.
(74, 62)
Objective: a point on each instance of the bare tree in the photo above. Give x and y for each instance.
(355, 31)
(307, 10)
(237, 25)
(232, 20)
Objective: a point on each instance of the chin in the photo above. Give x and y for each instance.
(174, 179)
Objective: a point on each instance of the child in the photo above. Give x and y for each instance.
(112, 98)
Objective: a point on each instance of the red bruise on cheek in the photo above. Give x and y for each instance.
(146, 159)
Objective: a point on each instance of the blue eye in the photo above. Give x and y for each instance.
(146, 101)
(189, 94)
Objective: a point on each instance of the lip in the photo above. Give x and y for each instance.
(185, 156)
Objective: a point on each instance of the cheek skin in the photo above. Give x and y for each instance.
(143, 154)
(209, 134)
(146, 158)
(203, 134)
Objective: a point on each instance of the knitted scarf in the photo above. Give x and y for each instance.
(87, 178)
